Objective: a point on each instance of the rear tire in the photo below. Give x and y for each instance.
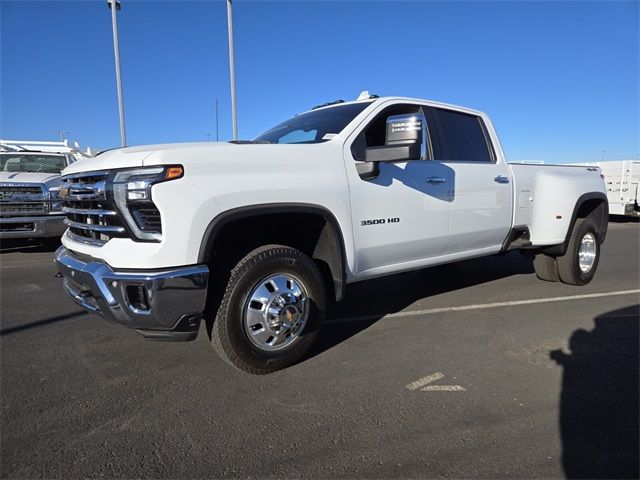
(271, 311)
(546, 267)
(579, 263)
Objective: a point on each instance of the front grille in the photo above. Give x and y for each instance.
(22, 200)
(91, 214)
(18, 209)
(11, 190)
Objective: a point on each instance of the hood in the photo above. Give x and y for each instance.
(199, 155)
(145, 155)
(117, 158)
(29, 177)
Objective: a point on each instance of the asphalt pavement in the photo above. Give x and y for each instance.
(470, 370)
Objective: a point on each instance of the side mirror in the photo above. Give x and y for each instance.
(403, 140)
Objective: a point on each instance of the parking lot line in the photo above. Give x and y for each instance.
(481, 306)
(425, 380)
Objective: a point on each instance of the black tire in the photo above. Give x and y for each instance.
(569, 264)
(546, 268)
(228, 334)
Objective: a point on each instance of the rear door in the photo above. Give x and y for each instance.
(481, 203)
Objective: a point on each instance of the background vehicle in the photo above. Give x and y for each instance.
(256, 236)
(30, 204)
(621, 179)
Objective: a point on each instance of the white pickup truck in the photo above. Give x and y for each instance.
(255, 237)
(30, 204)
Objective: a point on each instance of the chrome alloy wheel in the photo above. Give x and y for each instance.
(276, 312)
(587, 252)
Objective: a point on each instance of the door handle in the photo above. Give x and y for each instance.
(501, 179)
(436, 180)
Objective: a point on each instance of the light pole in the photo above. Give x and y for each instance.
(61, 133)
(116, 51)
(602, 155)
(232, 71)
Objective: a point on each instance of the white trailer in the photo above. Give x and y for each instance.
(621, 178)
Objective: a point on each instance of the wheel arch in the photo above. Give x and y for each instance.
(592, 204)
(328, 246)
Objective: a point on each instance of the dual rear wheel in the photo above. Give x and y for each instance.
(579, 263)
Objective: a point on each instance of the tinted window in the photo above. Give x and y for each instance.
(315, 126)
(461, 136)
(11, 162)
(376, 132)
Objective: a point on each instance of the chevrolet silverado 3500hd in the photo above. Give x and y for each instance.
(256, 236)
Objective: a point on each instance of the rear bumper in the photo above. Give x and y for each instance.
(160, 304)
(29, 227)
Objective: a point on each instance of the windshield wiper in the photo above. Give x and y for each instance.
(250, 142)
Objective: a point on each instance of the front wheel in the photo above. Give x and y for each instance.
(271, 311)
(578, 265)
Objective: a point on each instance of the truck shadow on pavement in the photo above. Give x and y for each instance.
(599, 400)
(367, 302)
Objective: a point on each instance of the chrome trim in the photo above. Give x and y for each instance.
(84, 191)
(96, 173)
(94, 227)
(88, 211)
(587, 252)
(84, 240)
(172, 293)
(276, 312)
(436, 179)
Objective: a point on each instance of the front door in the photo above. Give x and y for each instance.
(400, 216)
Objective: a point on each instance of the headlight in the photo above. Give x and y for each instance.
(55, 201)
(132, 194)
(54, 194)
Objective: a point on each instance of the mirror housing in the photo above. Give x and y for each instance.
(403, 140)
(404, 129)
(393, 153)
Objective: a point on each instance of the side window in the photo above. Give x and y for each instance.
(374, 135)
(460, 136)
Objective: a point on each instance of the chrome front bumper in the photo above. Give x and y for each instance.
(160, 304)
(30, 227)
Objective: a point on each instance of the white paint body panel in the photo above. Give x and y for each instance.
(552, 191)
(471, 215)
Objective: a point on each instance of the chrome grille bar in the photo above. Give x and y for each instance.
(94, 227)
(89, 211)
(92, 217)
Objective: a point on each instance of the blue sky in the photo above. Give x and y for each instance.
(559, 79)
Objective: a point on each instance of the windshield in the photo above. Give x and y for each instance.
(315, 126)
(15, 162)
